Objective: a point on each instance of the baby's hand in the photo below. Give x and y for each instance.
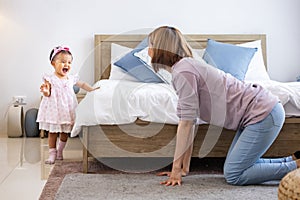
(86, 86)
(96, 88)
(46, 89)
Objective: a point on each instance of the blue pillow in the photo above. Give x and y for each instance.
(136, 67)
(229, 58)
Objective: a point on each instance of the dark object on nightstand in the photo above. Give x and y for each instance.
(31, 126)
(76, 89)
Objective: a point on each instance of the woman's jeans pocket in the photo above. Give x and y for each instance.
(278, 115)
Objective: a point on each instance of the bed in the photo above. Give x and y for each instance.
(124, 140)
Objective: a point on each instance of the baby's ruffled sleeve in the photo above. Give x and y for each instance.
(75, 79)
(47, 77)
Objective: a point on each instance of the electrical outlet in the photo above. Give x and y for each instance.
(19, 99)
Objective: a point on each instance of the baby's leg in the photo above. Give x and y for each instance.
(52, 137)
(61, 145)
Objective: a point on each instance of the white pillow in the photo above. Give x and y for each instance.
(116, 73)
(256, 69)
(198, 53)
(162, 73)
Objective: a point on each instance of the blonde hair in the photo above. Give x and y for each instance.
(168, 47)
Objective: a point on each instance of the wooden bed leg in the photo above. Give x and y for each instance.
(85, 150)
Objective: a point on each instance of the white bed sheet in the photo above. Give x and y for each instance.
(123, 102)
(291, 110)
(287, 92)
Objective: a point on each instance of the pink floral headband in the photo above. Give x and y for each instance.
(58, 49)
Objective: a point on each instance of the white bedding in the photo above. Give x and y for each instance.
(291, 110)
(122, 102)
(287, 92)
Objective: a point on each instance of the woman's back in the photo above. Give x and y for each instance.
(217, 97)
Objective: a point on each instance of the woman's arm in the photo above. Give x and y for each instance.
(185, 163)
(183, 151)
(86, 86)
(187, 160)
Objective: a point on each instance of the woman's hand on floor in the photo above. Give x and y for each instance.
(164, 174)
(183, 173)
(175, 178)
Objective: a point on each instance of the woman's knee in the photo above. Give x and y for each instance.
(232, 176)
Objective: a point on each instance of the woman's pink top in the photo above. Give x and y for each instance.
(217, 97)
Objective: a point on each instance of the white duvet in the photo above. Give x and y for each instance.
(287, 92)
(122, 102)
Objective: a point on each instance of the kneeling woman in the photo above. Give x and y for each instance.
(220, 99)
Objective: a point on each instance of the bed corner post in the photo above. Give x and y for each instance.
(85, 149)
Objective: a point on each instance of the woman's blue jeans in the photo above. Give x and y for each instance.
(244, 165)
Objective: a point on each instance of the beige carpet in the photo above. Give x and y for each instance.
(146, 186)
(206, 176)
(62, 168)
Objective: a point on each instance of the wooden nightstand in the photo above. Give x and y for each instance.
(79, 98)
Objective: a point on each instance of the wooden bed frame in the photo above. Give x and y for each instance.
(112, 141)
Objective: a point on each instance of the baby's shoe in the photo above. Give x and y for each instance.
(61, 146)
(52, 156)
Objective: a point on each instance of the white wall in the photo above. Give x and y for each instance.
(30, 29)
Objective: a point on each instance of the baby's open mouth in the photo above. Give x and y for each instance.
(65, 70)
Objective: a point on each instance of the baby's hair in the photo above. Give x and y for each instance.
(57, 50)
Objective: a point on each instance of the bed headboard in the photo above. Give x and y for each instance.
(198, 41)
